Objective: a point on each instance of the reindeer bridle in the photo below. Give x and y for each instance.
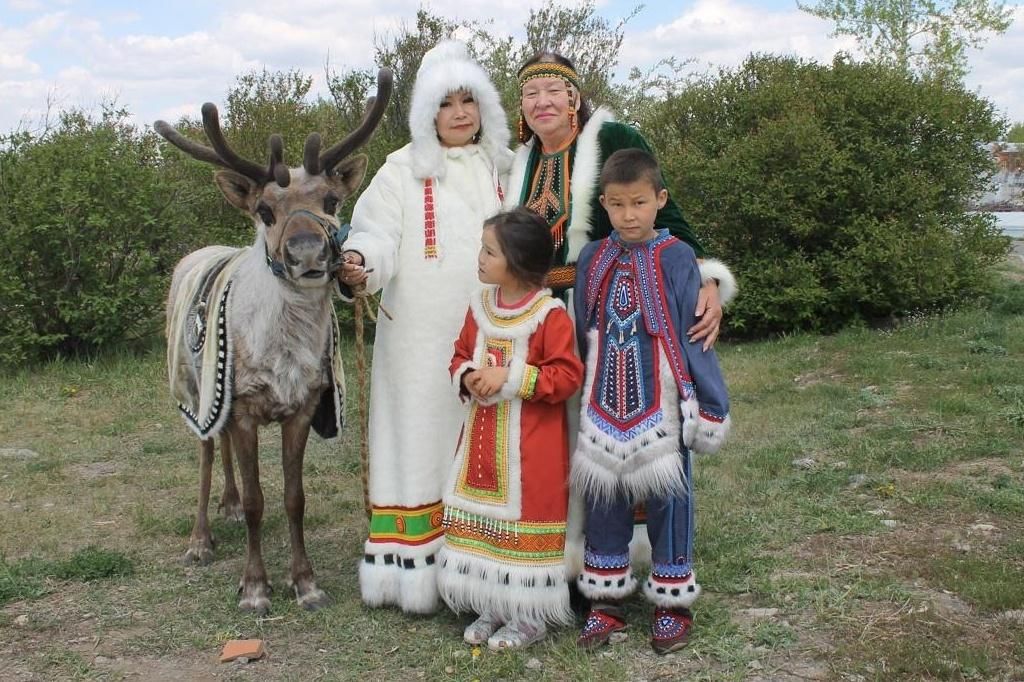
(331, 232)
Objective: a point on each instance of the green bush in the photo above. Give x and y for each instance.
(837, 193)
(84, 245)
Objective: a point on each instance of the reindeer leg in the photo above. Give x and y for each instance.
(294, 432)
(200, 545)
(230, 503)
(254, 587)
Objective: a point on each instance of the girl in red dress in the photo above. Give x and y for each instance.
(507, 494)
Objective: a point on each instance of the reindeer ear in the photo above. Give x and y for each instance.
(237, 189)
(348, 174)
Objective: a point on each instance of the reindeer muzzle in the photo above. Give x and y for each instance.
(309, 250)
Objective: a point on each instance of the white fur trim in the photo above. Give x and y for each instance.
(712, 268)
(687, 594)
(511, 592)
(412, 589)
(710, 435)
(690, 411)
(584, 182)
(462, 370)
(600, 586)
(446, 68)
(510, 389)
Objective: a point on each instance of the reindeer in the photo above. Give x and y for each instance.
(252, 335)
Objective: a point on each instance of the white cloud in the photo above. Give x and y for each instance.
(721, 33)
(165, 75)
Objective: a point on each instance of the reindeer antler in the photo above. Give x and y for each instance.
(330, 158)
(222, 155)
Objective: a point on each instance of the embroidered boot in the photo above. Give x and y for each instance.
(602, 621)
(670, 629)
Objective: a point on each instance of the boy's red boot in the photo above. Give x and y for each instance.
(670, 629)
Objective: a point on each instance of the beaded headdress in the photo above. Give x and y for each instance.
(549, 70)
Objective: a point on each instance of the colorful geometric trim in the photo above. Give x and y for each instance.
(429, 221)
(549, 70)
(605, 562)
(711, 417)
(495, 318)
(485, 467)
(518, 542)
(561, 277)
(407, 525)
(671, 572)
(529, 384)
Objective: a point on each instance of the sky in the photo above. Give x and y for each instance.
(164, 59)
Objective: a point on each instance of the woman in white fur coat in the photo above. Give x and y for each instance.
(416, 235)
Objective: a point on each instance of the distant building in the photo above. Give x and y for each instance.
(1008, 191)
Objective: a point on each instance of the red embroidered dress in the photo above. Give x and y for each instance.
(506, 497)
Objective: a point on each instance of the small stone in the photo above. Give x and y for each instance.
(804, 463)
(534, 664)
(983, 527)
(21, 621)
(857, 480)
(100, 659)
(890, 523)
(961, 546)
(839, 465)
(755, 665)
(617, 637)
(449, 669)
(878, 512)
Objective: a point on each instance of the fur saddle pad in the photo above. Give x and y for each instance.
(200, 358)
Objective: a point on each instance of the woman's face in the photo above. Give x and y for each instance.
(546, 106)
(458, 119)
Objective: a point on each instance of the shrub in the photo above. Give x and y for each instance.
(84, 248)
(838, 193)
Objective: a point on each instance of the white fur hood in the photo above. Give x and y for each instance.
(446, 68)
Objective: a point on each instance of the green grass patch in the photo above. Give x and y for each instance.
(28, 578)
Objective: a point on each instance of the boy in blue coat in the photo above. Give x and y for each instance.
(650, 398)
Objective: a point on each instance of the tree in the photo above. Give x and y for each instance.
(927, 36)
(86, 247)
(1016, 133)
(838, 193)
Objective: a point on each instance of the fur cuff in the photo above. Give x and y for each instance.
(710, 433)
(714, 269)
(461, 371)
(690, 412)
(606, 586)
(522, 378)
(672, 594)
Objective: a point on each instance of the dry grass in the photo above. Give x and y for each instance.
(895, 554)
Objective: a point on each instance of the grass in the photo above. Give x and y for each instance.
(895, 554)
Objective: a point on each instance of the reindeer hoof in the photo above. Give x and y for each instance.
(232, 511)
(198, 555)
(313, 600)
(260, 605)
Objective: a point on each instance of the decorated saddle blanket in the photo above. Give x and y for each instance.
(200, 357)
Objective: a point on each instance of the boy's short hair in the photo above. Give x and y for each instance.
(629, 165)
(525, 241)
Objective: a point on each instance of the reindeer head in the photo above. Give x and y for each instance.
(293, 208)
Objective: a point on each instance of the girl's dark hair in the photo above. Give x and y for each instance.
(525, 241)
(583, 115)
